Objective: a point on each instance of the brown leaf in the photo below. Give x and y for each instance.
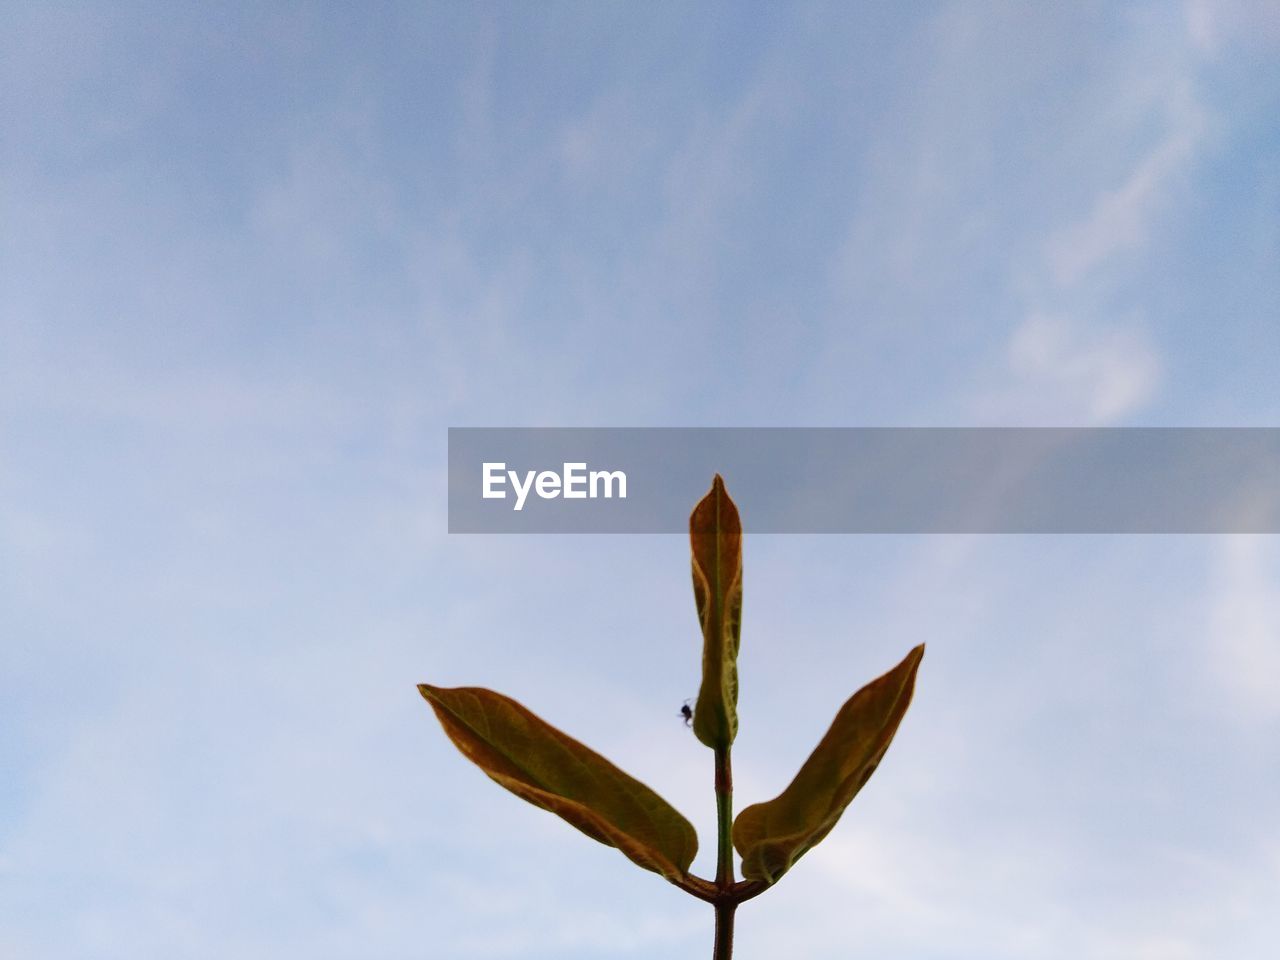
(550, 769)
(772, 836)
(715, 532)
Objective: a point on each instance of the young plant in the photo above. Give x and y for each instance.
(550, 769)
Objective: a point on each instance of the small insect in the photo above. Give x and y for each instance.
(687, 713)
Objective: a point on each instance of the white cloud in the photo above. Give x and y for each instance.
(1014, 894)
(1059, 365)
(1214, 24)
(1121, 216)
(1244, 625)
(1064, 369)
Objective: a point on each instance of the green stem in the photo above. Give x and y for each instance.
(724, 820)
(725, 903)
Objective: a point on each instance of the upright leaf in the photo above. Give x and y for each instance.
(715, 533)
(772, 836)
(548, 768)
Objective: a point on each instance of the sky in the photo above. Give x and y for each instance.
(256, 259)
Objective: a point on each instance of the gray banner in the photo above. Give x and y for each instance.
(868, 480)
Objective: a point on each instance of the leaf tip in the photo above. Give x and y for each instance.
(908, 668)
(716, 513)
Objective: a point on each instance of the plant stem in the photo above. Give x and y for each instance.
(724, 930)
(725, 903)
(724, 820)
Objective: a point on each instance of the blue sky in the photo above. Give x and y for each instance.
(257, 259)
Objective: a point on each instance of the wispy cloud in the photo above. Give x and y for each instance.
(1071, 371)
(1215, 25)
(1071, 359)
(1121, 216)
(1244, 625)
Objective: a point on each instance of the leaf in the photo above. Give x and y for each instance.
(545, 766)
(715, 532)
(772, 836)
